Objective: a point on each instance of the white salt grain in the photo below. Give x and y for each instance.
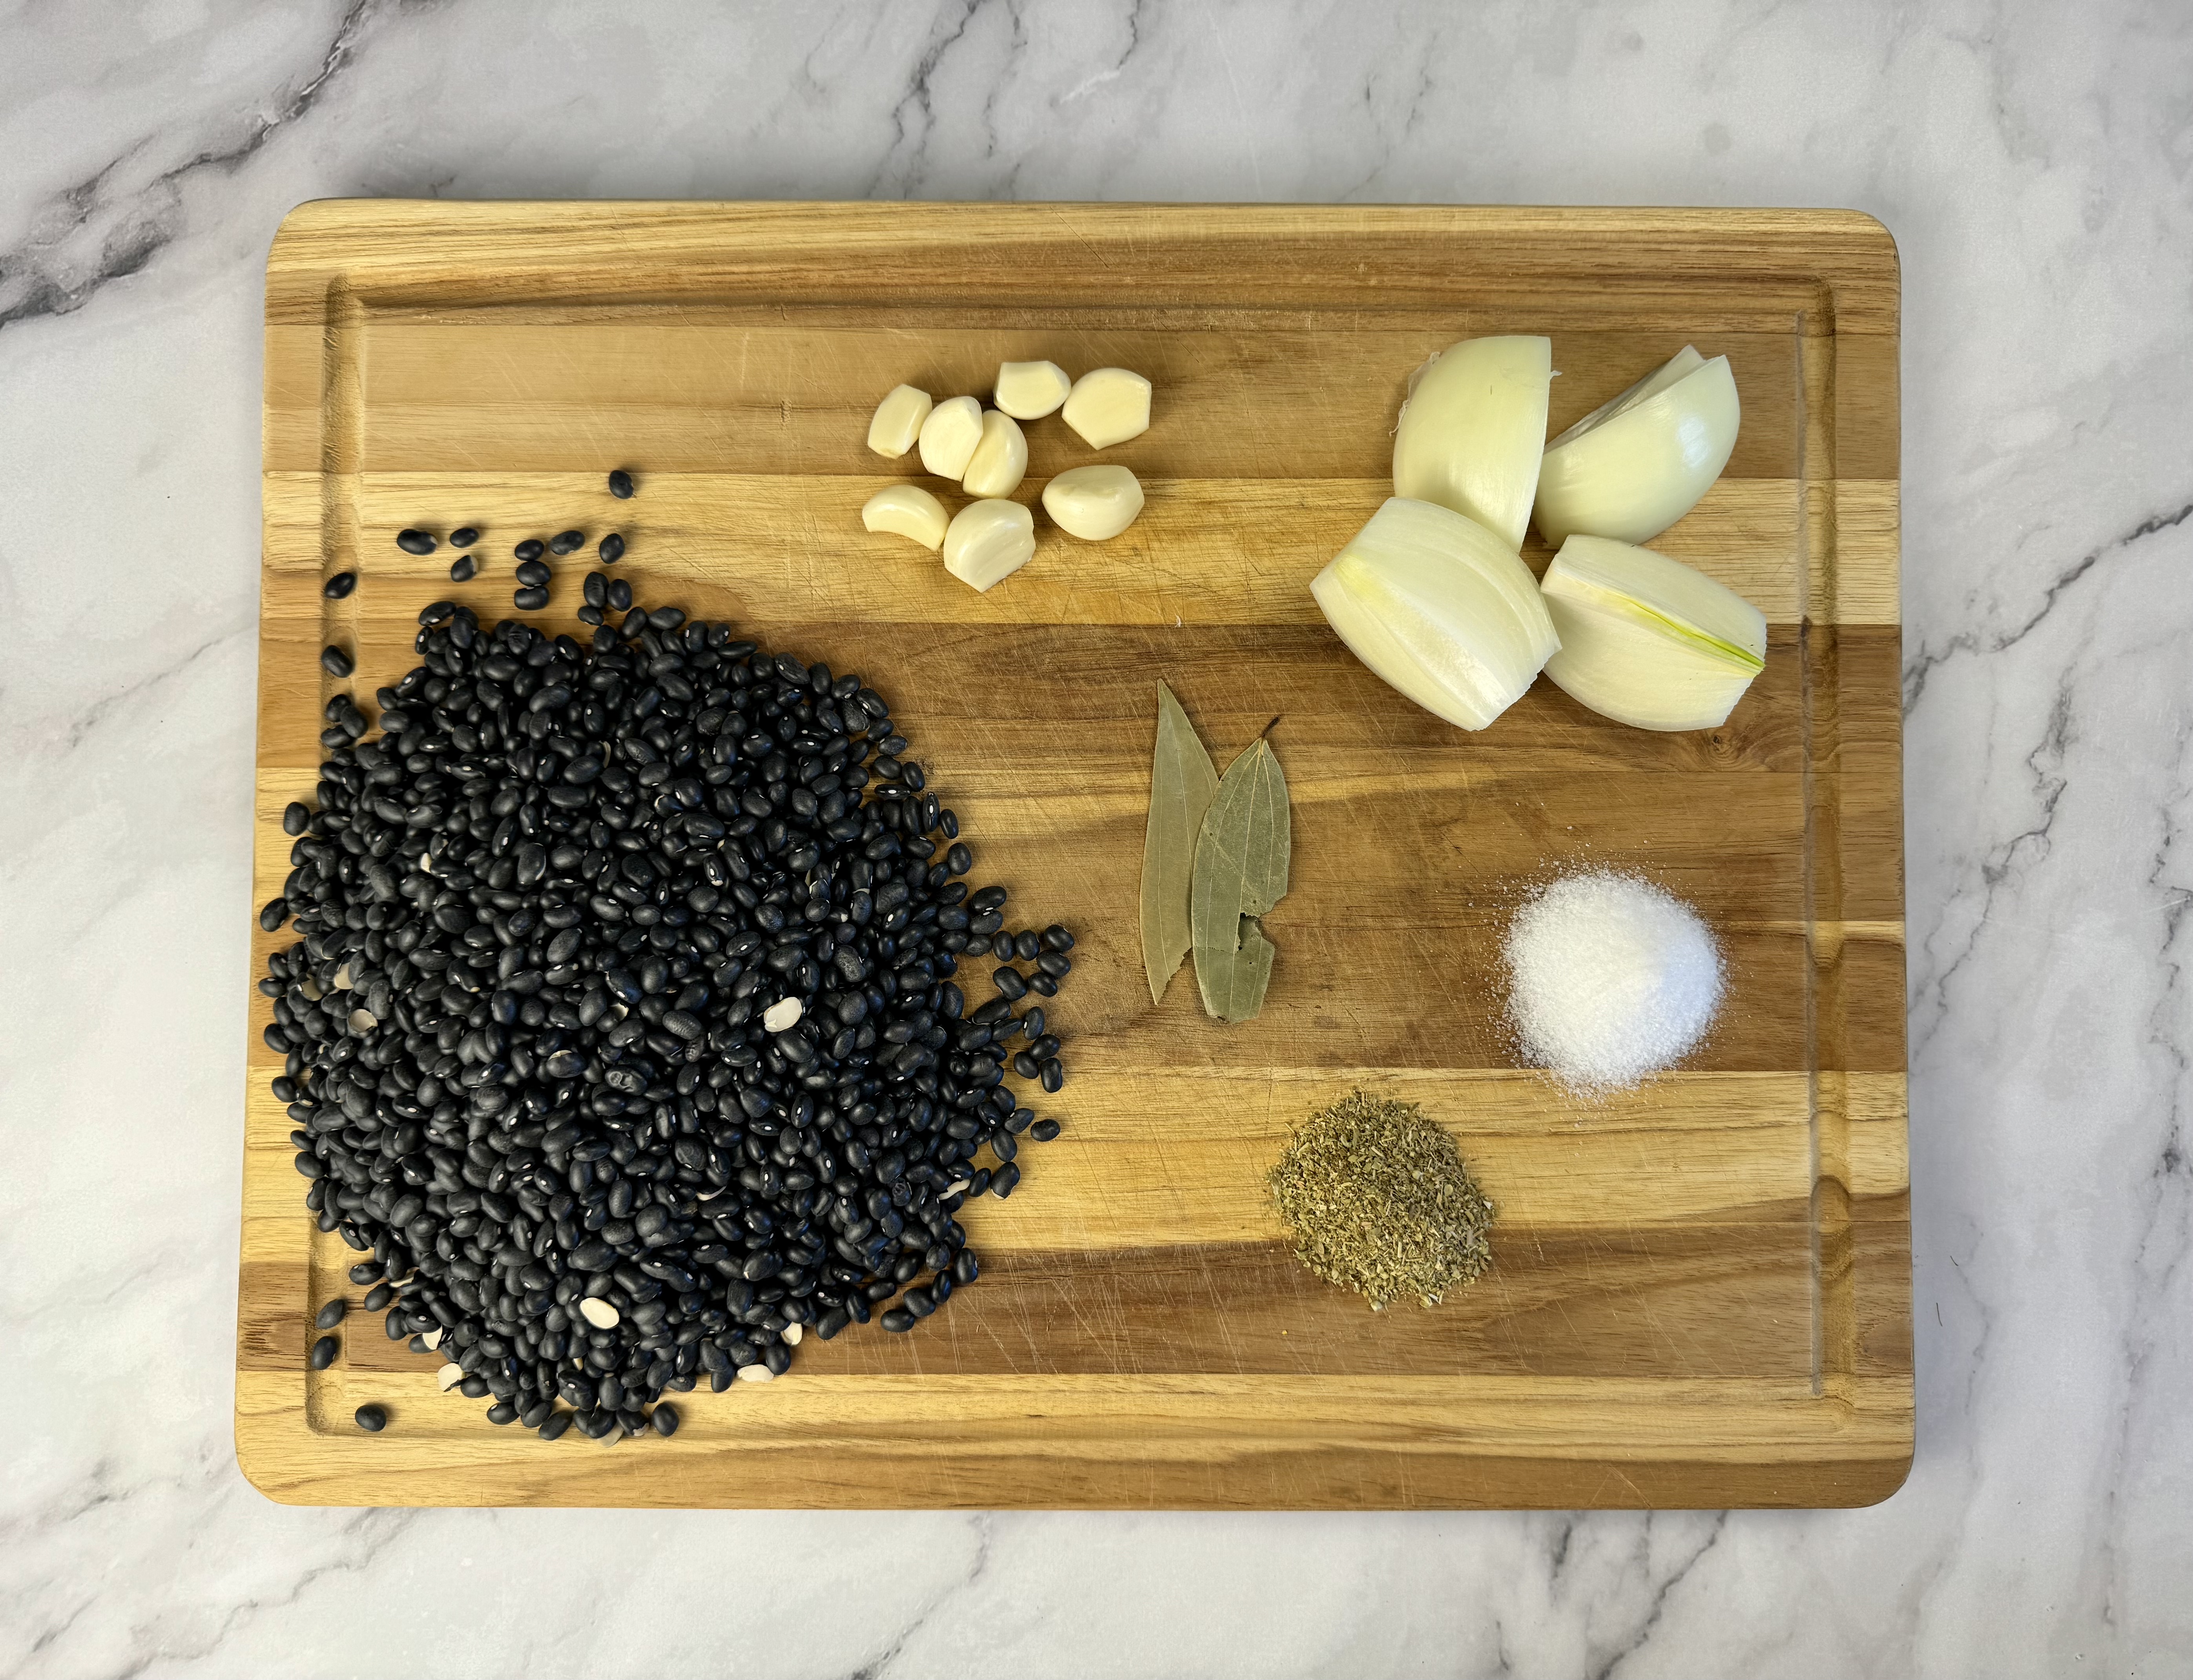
(1610, 979)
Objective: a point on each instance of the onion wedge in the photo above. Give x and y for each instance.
(1634, 465)
(1647, 641)
(1441, 608)
(1473, 429)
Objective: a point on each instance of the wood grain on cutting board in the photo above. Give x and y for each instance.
(1701, 1290)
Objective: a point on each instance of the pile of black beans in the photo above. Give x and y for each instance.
(543, 913)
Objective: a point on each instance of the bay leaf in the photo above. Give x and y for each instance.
(1182, 781)
(1241, 859)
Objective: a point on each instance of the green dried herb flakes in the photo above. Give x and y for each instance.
(1379, 1201)
(1240, 874)
(1183, 783)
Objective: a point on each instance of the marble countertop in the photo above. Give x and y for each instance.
(2032, 160)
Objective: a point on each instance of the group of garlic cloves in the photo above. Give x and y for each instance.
(986, 453)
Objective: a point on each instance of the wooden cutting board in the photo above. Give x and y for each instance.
(1701, 1290)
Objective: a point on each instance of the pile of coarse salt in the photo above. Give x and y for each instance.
(1610, 979)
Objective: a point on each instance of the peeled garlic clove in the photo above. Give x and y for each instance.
(949, 435)
(906, 510)
(1107, 406)
(898, 420)
(1473, 429)
(1634, 465)
(1031, 390)
(1093, 502)
(1441, 608)
(1647, 641)
(989, 541)
(999, 459)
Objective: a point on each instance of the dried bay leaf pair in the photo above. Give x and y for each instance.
(1214, 859)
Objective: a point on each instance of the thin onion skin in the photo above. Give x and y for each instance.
(1634, 474)
(1441, 609)
(1472, 432)
(1646, 641)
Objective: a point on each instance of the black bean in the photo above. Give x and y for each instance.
(436, 612)
(610, 549)
(365, 1272)
(529, 600)
(394, 1325)
(372, 1418)
(567, 541)
(336, 587)
(1056, 964)
(531, 549)
(621, 484)
(335, 661)
(464, 569)
(1002, 1181)
(958, 860)
(273, 912)
(412, 540)
(1026, 945)
(1042, 984)
(502, 1412)
(473, 1387)
(1043, 1130)
(533, 573)
(665, 1419)
(378, 1297)
(1010, 984)
(1001, 947)
(620, 594)
(1057, 938)
(557, 1422)
(897, 1319)
(1033, 1023)
(331, 1314)
(1053, 1074)
(596, 590)
(323, 1353)
(1026, 1066)
(297, 817)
